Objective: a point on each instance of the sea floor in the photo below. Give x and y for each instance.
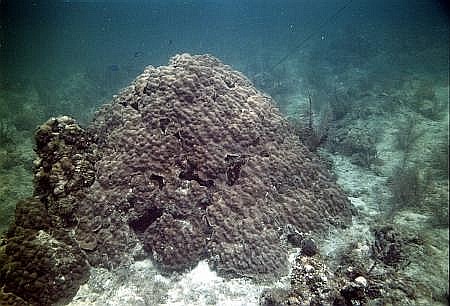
(369, 191)
(369, 188)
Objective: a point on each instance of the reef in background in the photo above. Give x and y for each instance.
(190, 162)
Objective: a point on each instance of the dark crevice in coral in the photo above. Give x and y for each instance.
(163, 124)
(231, 157)
(264, 154)
(140, 224)
(235, 163)
(190, 175)
(181, 135)
(178, 135)
(229, 83)
(159, 179)
(189, 98)
(233, 173)
(205, 201)
(135, 105)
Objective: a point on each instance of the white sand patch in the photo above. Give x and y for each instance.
(142, 284)
(201, 286)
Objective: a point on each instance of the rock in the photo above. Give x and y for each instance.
(274, 297)
(313, 282)
(361, 281)
(293, 236)
(309, 247)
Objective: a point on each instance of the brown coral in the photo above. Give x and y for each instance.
(202, 165)
(38, 265)
(191, 162)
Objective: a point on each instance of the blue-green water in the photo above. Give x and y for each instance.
(112, 41)
(103, 45)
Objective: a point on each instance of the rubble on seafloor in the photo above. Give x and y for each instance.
(364, 273)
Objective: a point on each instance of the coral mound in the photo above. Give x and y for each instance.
(200, 164)
(189, 162)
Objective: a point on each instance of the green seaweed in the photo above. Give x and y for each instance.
(439, 158)
(313, 133)
(6, 139)
(407, 136)
(408, 185)
(426, 103)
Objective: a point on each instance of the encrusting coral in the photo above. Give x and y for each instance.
(191, 162)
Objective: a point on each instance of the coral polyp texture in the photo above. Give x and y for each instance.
(200, 164)
(191, 162)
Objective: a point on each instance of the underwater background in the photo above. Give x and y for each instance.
(375, 73)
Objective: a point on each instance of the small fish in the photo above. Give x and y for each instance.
(138, 54)
(113, 67)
